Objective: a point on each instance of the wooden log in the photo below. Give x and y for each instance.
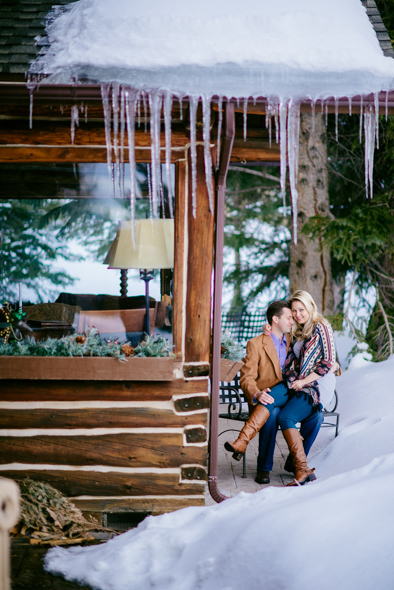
(75, 154)
(152, 506)
(179, 263)
(58, 133)
(86, 368)
(118, 450)
(36, 390)
(103, 417)
(199, 268)
(201, 370)
(95, 483)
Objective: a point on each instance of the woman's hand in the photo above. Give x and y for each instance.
(298, 384)
(267, 330)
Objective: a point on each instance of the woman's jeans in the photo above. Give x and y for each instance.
(310, 424)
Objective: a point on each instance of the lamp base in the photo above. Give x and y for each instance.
(146, 275)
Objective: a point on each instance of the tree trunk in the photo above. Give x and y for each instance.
(310, 265)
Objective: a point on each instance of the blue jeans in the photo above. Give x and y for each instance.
(310, 426)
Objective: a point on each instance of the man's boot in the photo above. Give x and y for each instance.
(256, 421)
(302, 472)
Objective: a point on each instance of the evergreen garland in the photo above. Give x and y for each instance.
(230, 349)
(84, 345)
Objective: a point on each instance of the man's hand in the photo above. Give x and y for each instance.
(264, 397)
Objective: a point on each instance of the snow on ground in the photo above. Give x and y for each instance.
(257, 48)
(337, 532)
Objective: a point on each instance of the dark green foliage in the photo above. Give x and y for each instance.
(386, 9)
(257, 233)
(27, 251)
(360, 234)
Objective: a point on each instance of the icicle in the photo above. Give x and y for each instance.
(283, 141)
(326, 105)
(86, 113)
(74, 121)
(268, 121)
(180, 109)
(138, 107)
(376, 100)
(122, 128)
(130, 99)
(350, 104)
(193, 150)
(145, 111)
(206, 134)
(161, 191)
(115, 110)
(107, 126)
(276, 123)
(149, 178)
(386, 110)
(220, 123)
(313, 107)
(31, 108)
(245, 117)
(336, 118)
(369, 134)
(31, 86)
(155, 102)
(167, 125)
(361, 120)
(293, 126)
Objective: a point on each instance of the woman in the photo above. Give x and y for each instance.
(308, 374)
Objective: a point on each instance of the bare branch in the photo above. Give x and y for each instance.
(255, 173)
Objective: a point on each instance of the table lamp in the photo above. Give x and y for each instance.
(153, 248)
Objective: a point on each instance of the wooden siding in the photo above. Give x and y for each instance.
(110, 445)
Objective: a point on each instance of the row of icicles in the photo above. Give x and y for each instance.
(124, 107)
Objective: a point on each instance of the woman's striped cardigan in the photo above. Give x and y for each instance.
(317, 355)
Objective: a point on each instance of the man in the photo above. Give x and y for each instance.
(261, 375)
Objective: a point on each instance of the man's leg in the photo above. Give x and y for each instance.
(267, 435)
(267, 438)
(309, 430)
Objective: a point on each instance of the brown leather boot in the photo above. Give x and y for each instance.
(302, 472)
(256, 421)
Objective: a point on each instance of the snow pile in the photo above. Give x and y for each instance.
(257, 48)
(337, 532)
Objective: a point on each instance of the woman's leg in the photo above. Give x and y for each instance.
(296, 410)
(256, 421)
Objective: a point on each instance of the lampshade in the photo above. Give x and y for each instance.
(154, 245)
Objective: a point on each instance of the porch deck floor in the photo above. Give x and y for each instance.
(230, 480)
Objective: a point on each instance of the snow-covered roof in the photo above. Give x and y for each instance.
(257, 48)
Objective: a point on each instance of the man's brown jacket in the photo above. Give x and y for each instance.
(261, 367)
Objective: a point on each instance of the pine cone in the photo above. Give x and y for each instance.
(127, 349)
(80, 339)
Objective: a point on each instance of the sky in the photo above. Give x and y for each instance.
(336, 532)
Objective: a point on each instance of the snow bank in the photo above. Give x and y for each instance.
(257, 48)
(337, 532)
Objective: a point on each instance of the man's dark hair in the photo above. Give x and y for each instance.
(276, 308)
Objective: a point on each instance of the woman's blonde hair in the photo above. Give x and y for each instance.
(298, 331)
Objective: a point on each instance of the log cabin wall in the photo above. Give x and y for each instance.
(118, 438)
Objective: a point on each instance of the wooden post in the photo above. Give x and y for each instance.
(178, 320)
(199, 268)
